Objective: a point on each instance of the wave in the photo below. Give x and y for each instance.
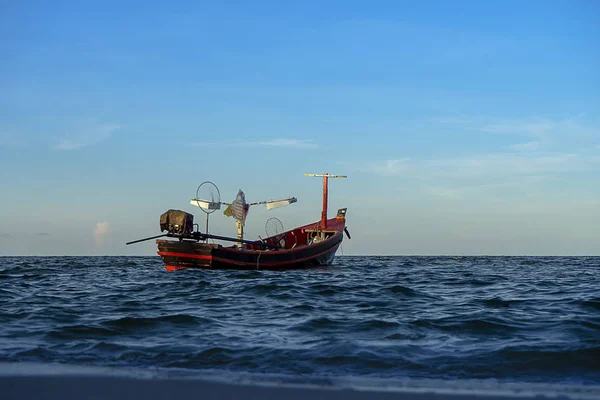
(134, 323)
(402, 290)
(469, 326)
(474, 317)
(592, 303)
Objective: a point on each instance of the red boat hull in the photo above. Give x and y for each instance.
(298, 251)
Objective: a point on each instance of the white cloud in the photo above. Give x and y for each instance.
(280, 142)
(484, 168)
(90, 135)
(297, 143)
(530, 127)
(537, 128)
(101, 232)
(547, 133)
(529, 146)
(67, 144)
(555, 148)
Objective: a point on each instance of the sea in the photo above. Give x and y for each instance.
(500, 319)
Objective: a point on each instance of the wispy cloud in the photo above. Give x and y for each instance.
(279, 142)
(543, 133)
(295, 143)
(43, 234)
(5, 235)
(537, 128)
(500, 164)
(552, 149)
(520, 171)
(531, 127)
(529, 146)
(67, 144)
(90, 135)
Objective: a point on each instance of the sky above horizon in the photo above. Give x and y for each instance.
(465, 127)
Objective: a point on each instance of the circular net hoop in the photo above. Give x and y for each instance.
(208, 192)
(273, 227)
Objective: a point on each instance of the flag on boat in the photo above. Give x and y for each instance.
(239, 208)
(280, 203)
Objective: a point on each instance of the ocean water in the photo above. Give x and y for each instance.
(508, 319)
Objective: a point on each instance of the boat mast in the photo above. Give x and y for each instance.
(326, 176)
(240, 233)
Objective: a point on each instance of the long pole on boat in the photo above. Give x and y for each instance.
(326, 176)
(148, 238)
(201, 236)
(207, 214)
(325, 195)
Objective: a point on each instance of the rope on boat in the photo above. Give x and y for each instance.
(258, 259)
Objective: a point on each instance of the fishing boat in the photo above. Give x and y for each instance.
(310, 245)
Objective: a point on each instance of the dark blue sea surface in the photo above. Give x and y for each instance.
(514, 319)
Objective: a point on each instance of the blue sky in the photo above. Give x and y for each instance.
(464, 127)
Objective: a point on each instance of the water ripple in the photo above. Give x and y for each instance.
(508, 318)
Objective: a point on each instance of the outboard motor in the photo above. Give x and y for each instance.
(177, 222)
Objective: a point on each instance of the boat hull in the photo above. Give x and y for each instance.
(189, 254)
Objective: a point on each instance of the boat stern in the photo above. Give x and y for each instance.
(181, 254)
